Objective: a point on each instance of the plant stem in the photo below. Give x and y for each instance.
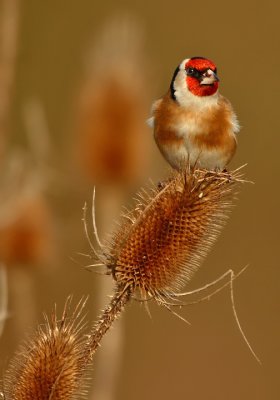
(106, 319)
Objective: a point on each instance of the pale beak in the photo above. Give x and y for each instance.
(209, 77)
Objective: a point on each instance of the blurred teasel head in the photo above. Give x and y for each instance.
(25, 215)
(113, 139)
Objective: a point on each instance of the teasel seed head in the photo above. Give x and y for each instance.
(112, 138)
(50, 365)
(25, 231)
(162, 242)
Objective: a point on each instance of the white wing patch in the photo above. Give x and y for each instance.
(151, 122)
(235, 124)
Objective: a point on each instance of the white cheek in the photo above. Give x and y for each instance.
(180, 84)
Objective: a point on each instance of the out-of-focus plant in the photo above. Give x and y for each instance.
(113, 139)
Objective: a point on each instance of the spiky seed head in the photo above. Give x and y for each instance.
(161, 243)
(50, 366)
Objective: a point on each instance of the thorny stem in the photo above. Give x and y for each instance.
(105, 321)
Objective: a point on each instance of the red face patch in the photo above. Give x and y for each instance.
(194, 84)
(200, 64)
(201, 90)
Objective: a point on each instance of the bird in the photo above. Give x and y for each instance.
(193, 123)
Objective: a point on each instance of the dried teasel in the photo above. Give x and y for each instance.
(50, 365)
(161, 243)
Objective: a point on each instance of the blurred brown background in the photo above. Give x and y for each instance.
(57, 51)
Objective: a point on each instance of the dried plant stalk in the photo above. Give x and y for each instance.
(110, 314)
(50, 366)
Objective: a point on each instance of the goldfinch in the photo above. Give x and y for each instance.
(193, 123)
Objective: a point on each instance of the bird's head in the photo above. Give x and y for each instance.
(196, 76)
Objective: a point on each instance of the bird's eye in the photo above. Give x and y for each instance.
(190, 71)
